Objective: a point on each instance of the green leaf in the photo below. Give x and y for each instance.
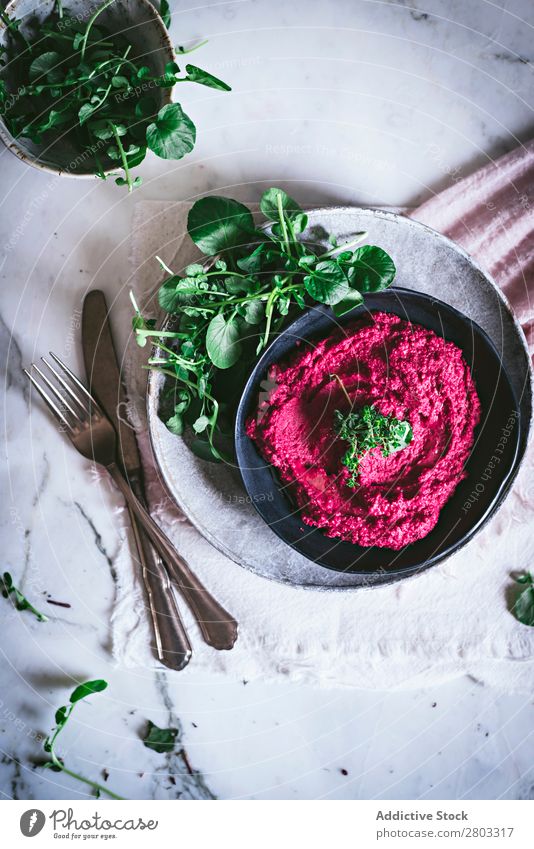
(120, 82)
(269, 204)
(172, 134)
(202, 449)
(299, 223)
(175, 424)
(197, 75)
(165, 12)
(350, 301)
(254, 312)
(201, 424)
(21, 602)
(146, 107)
(252, 263)
(176, 292)
(85, 112)
(87, 689)
(327, 284)
(61, 715)
(46, 65)
(217, 224)
(160, 739)
(195, 270)
(523, 608)
(371, 269)
(236, 285)
(222, 342)
(55, 119)
(525, 579)
(102, 130)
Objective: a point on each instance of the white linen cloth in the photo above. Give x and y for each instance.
(452, 620)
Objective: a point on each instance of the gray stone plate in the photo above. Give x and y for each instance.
(212, 496)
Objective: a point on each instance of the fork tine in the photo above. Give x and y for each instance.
(66, 387)
(75, 380)
(55, 391)
(48, 401)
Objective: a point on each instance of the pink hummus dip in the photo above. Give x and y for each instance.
(406, 371)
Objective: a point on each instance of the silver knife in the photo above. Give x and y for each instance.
(171, 643)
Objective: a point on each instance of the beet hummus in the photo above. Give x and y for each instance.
(402, 370)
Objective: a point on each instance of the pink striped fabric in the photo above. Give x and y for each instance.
(491, 214)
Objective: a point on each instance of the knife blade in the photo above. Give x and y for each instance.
(171, 644)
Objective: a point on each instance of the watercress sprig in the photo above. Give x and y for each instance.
(81, 83)
(63, 715)
(20, 601)
(227, 307)
(366, 429)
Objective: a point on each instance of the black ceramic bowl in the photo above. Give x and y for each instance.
(483, 488)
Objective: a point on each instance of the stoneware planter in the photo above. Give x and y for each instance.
(138, 21)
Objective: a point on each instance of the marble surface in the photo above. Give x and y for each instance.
(351, 101)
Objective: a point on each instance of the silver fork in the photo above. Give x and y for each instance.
(93, 435)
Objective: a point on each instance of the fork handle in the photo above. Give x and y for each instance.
(218, 628)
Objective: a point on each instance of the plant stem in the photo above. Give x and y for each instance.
(123, 156)
(119, 60)
(346, 394)
(283, 222)
(269, 315)
(94, 784)
(90, 23)
(183, 52)
(347, 246)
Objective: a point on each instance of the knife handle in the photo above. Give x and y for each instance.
(219, 629)
(172, 644)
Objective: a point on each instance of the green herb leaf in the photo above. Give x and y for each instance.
(175, 293)
(46, 66)
(200, 424)
(328, 283)
(176, 424)
(197, 75)
(165, 12)
(55, 119)
(7, 587)
(87, 689)
(222, 342)
(172, 134)
(62, 717)
(87, 111)
(371, 269)
(217, 224)
(160, 739)
(365, 430)
(254, 312)
(352, 299)
(523, 608)
(202, 449)
(269, 204)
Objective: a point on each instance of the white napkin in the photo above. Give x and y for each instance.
(451, 620)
